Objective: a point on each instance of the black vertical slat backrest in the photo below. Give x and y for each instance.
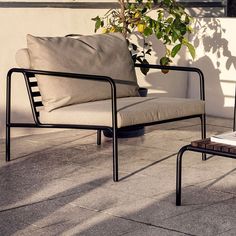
(35, 96)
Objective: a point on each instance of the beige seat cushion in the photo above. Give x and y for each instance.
(101, 54)
(131, 111)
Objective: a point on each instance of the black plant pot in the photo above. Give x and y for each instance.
(143, 92)
(129, 132)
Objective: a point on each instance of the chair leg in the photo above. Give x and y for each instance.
(8, 143)
(99, 137)
(179, 175)
(203, 131)
(115, 156)
(8, 119)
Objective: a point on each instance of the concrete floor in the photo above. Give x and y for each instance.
(61, 184)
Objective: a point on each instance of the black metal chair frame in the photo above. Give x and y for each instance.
(28, 74)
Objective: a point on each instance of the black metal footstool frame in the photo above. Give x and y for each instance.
(204, 146)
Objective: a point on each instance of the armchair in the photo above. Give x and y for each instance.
(113, 112)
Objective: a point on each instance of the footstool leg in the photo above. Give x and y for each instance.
(179, 175)
(203, 131)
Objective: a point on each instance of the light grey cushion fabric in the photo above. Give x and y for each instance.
(104, 54)
(131, 111)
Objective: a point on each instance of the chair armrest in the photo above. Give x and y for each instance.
(31, 73)
(179, 68)
(99, 78)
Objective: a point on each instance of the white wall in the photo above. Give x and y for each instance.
(215, 40)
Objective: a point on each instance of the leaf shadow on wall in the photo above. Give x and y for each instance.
(216, 62)
(215, 98)
(212, 34)
(172, 84)
(215, 58)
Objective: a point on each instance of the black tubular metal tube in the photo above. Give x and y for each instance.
(166, 121)
(103, 78)
(33, 125)
(203, 131)
(8, 116)
(63, 74)
(180, 68)
(179, 164)
(115, 140)
(99, 137)
(93, 127)
(234, 121)
(179, 175)
(30, 72)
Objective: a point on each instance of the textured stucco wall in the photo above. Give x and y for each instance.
(214, 40)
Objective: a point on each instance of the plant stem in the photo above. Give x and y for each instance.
(123, 18)
(144, 41)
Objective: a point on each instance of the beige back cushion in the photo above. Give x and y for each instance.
(104, 54)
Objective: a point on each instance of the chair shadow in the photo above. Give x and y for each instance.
(147, 166)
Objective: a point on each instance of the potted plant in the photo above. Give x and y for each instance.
(166, 19)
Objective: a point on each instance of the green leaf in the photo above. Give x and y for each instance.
(132, 7)
(160, 15)
(175, 35)
(144, 10)
(190, 47)
(170, 25)
(176, 22)
(175, 50)
(98, 24)
(168, 29)
(185, 41)
(166, 40)
(159, 34)
(150, 21)
(147, 31)
(183, 29)
(157, 29)
(187, 20)
(169, 20)
(164, 61)
(191, 50)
